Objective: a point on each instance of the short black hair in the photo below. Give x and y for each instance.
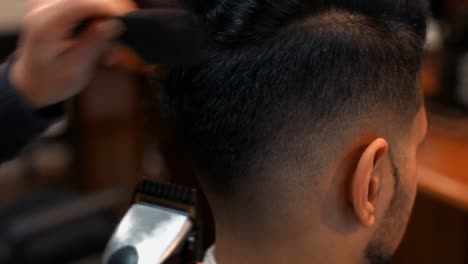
(278, 69)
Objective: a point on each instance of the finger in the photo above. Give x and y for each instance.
(54, 20)
(108, 29)
(94, 42)
(74, 11)
(34, 4)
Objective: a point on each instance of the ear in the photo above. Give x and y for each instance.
(365, 185)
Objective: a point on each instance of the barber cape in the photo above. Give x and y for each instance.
(209, 256)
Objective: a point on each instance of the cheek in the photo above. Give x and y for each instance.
(410, 178)
(403, 203)
(411, 171)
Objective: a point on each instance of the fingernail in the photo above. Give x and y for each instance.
(111, 28)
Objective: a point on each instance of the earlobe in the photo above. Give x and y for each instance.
(365, 185)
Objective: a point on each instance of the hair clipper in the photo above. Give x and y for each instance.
(160, 227)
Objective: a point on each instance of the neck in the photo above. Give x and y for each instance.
(231, 248)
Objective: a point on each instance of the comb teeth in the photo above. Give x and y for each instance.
(172, 192)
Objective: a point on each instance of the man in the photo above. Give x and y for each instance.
(49, 66)
(304, 125)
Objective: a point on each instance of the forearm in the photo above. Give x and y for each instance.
(19, 121)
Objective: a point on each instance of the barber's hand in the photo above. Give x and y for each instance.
(50, 66)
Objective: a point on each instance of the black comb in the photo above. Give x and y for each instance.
(164, 36)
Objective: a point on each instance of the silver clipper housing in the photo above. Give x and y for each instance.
(160, 226)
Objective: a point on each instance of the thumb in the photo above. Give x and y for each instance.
(94, 41)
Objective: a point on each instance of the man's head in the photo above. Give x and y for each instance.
(303, 124)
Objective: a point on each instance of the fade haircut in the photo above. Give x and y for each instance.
(279, 71)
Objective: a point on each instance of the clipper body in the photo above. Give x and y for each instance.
(160, 224)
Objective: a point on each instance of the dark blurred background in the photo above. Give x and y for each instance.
(62, 197)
